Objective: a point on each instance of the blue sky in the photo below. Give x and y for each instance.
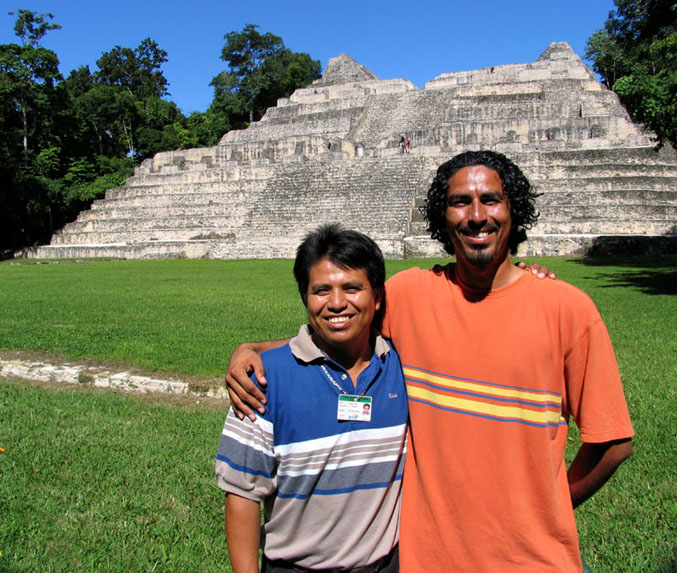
(415, 40)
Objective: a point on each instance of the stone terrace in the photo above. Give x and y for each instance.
(329, 153)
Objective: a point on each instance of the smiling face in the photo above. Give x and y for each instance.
(478, 216)
(341, 305)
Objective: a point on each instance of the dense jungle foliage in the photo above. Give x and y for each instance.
(64, 140)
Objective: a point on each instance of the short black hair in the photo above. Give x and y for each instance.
(346, 249)
(516, 186)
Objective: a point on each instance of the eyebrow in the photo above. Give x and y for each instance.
(462, 194)
(349, 284)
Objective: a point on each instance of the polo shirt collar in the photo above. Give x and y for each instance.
(303, 347)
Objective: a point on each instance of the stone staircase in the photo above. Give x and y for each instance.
(252, 217)
(329, 153)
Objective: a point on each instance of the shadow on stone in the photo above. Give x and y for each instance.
(633, 246)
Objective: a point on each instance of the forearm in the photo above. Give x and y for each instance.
(264, 345)
(243, 524)
(593, 465)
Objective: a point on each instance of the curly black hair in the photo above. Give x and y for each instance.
(516, 186)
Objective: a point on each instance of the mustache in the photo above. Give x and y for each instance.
(470, 230)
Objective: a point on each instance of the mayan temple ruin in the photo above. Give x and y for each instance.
(330, 153)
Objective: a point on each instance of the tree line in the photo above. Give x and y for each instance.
(65, 140)
(635, 54)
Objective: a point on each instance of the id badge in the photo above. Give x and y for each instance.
(354, 408)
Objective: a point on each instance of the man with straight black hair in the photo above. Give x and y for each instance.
(327, 457)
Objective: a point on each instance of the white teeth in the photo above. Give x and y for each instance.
(482, 235)
(338, 319)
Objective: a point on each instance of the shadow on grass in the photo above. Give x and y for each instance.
(653, 275)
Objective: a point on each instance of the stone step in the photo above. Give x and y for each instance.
(244, 247)
(324, 125)
(170, 189)
(141, 236)
(569, 66)
(190, 205)
(141, 223)
(198, 198)
(533, 106)
(597, 184)
(565, 245)
(179, 185)
(600, 245)
(147, 250)
(557, 183)
(623, 199)
(201, 177)
(541, 131)
(556, 206)
(294, 187)
(608, 226)
(644, 154)
(393, 224)
(316, 111)
(623, 212)
(577, 170)
(548, 120)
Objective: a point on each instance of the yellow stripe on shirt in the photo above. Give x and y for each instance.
(469, 386)
(541, 417)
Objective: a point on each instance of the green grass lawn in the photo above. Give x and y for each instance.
(100, 480)
(95, 480)
(171, 316)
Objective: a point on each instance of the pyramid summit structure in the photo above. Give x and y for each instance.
(344, 70)
(329, 153)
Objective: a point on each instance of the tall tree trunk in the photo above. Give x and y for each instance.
(99, 137)
(24, 118)
(128, 136)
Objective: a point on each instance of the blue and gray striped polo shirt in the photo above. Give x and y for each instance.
(331, 489)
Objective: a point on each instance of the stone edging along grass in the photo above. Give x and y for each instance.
(102, 377)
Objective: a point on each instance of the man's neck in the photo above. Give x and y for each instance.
(354, 365)
(354, 360)
(485, 278)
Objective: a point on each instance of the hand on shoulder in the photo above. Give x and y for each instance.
(541, 271)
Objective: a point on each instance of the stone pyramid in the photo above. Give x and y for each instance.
(329, 153)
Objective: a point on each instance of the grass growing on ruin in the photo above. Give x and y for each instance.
(138, 477)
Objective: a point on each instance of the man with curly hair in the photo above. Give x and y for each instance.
(515, 186)
(496, 364)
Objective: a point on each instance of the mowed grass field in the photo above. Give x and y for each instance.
(96, 480)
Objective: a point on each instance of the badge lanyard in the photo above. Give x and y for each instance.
(351, 407)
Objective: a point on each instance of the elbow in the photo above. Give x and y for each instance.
(628, 449)
(622, 450)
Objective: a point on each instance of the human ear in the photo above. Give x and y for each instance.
(378, 298)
